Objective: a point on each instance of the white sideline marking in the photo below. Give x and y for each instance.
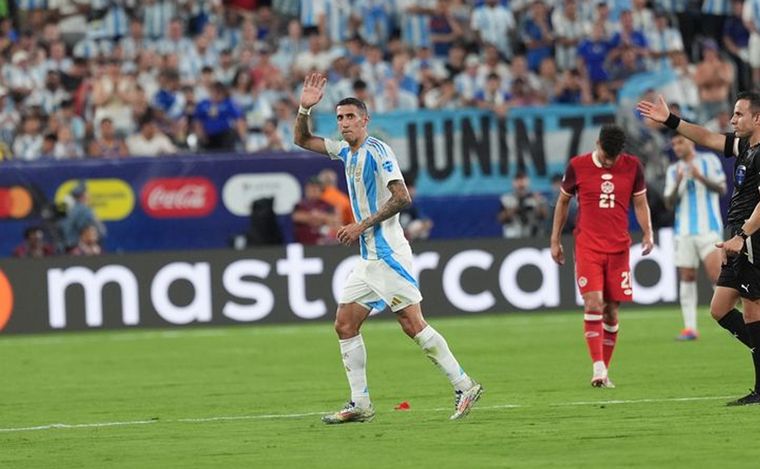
(644, 401)
(250, 417)
(66, 426)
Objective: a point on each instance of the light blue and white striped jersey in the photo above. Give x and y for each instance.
(116, 22)
(697, 208)
(338, 21)
(671, 6)
(716, 7)
(156, 17)
(415, 28)
(376, 19)
(311, 11)
(494, 25)
(368, 172)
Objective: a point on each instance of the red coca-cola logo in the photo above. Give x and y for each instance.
(178, 197)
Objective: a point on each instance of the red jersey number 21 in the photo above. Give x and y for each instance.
(606, 200)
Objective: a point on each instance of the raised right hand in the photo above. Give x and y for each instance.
(658, 111)
(313, 89)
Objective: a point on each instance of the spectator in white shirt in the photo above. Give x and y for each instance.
(66, 148)
(375, 70)
(663, 42)
(469, 81)
(28, 144)
(149, 141)
(394, 99)
(315, 58)
(569, 29)
(444, 96)
(643, 18)
(175, 42)
(135, 42)
(58, 61)
(20, 77)
(494, 24)
(492, 63)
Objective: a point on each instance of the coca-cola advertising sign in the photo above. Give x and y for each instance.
(178, 197)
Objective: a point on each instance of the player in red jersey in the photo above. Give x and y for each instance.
(605, 181)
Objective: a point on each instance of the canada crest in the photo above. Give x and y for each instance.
(608, 187)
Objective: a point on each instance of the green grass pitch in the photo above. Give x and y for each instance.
(251, 396)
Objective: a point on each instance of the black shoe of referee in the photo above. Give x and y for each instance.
(752, 398)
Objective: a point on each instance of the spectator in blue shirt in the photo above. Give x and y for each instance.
(628, 39)
(218, 121)
(537, 34)
(594, 52)
(168, 99)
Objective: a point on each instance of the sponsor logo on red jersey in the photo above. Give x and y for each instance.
(178, 197)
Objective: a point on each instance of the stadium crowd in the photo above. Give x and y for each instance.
(111, 78)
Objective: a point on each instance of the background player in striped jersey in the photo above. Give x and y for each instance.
(382, 277)
(605, 181)
(693, 185)
(740, 273)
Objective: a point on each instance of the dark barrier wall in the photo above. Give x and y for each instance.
(294, 284)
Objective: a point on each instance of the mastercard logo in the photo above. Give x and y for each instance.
(15, 202)
(6, 300)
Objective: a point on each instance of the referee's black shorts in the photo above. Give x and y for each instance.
(741, 275)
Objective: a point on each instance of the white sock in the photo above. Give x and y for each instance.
(688, 297)
(355, 362)
(436, 349)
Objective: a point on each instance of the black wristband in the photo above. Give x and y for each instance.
(672, 121)
(742, 235)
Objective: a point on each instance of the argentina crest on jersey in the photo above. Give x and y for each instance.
(739, 175)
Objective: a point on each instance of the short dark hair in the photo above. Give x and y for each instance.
(611, 139)
(753, 97)
(351, 101)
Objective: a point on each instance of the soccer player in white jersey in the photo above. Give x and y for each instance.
(382, 276)
(693, 186)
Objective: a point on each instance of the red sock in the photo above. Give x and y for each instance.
(610, 338)
(592, 327)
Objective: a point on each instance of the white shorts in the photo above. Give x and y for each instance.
(380, 283)
(690, 249)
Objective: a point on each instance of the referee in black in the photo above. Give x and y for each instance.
(740, 273)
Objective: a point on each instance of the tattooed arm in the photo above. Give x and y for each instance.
(313, 89)
(400, 199)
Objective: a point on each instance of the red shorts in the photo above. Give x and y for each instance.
(609, 273)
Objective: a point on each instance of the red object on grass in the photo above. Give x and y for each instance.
(403, 406)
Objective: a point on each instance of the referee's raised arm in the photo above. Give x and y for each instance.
(660, 113)
(313, 90)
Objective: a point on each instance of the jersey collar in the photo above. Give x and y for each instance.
(596, 161)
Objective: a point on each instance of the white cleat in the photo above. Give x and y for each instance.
(350, 413)
(608, 384)
(599, 377)
(465, 400)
